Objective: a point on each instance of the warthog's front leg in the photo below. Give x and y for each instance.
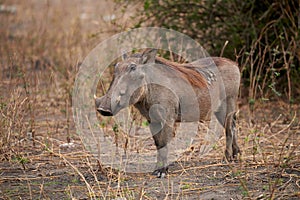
(161, 127)
(161, 140)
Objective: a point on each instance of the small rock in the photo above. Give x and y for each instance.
(29, 135)
(108, 18)
(8, 9)
(67, 145)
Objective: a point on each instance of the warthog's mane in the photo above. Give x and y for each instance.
(186, 70)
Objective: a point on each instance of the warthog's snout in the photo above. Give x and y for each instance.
(103, 106)
(104, 112)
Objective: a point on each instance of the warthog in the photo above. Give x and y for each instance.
(170, 100)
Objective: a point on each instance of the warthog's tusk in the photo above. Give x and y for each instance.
(95, 97)
(118, 99)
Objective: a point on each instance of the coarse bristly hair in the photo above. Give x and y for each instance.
(194, 77)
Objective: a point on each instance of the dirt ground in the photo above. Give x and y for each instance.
(72, 173)
(42, 45)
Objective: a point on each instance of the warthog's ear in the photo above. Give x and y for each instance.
(148, 56)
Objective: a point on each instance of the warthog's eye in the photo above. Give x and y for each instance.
(132, 67)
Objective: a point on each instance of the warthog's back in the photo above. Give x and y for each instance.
(208, 76)
(203, 72)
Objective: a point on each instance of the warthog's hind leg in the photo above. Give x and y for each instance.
(235, 148)
(232, 148)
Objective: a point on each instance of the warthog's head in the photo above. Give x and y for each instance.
(128, 84)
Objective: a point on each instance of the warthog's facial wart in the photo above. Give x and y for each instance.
(128, 89)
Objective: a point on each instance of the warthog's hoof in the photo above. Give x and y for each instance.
(160, 173)
(232, 157)
(236, 152)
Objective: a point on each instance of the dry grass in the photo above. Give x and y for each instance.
(42, 45)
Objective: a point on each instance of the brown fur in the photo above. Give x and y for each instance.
(195, 78)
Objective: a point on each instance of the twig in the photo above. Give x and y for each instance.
(222, 51)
